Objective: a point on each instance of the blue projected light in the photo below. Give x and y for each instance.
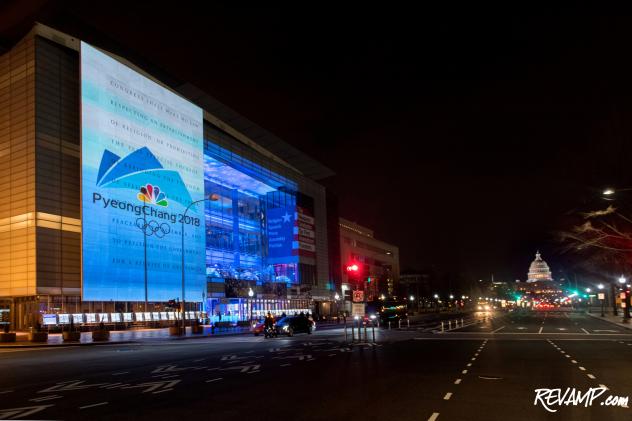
(226, 176)
(142, 165)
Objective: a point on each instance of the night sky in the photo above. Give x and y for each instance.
(464, 139)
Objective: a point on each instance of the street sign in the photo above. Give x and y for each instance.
(357, 309)
(601, 296)
(358, 296)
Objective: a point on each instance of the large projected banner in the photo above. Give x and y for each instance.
(142, 165)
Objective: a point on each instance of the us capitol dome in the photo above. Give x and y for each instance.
(539, 270)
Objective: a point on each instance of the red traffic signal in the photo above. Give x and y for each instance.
(353, 268)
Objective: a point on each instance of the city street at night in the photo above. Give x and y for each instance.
(463, 374)
(219, 211)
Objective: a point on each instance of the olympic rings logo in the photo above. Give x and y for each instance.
(153, 228)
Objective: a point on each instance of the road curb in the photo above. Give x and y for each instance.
(610, 321)
(67, 344)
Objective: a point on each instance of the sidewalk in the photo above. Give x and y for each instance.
(133, 336)
(611, 318)
(122, 336)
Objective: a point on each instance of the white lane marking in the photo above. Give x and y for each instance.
(93, 405)
(6, 391)
(567, 356)
(447, 396)
(285, 365)
(331, 355)
(500, 328)
(214, 380)
(582, 368)
(469, 364)
(540, 331)
(585, 331)
(434, 416)
(591, 376)
(464, 371)
(119, 373)
(604, 386)
(473, 358)
(457, 381)
(574, 362)
(46, 398)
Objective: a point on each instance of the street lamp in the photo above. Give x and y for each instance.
(336, 297)
(601, 294)
(589, 302)
(626, 306)
(213, 197)
(251, 293)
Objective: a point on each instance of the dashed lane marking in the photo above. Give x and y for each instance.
(540, 331)
(499, 329)
(214, 380)
(464, 372)
(119, 373)
(585, 331)
(604, 386)
(434, 416)
(582, 368)
(590, 376)
(46, 398)
(574, 362)
(447, 396)
(457, 381)
(93, 405)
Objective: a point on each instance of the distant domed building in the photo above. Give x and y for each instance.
(539, 270)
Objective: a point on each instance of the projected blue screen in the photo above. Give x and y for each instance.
(142, 166)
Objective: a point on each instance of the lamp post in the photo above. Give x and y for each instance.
(436, 297)
(600, 287)
(213, 197)
(589, 302)
(626, 306)
(251, 293)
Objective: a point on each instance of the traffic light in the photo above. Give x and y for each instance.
(353, 268)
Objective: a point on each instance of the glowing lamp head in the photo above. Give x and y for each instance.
(352, 268)
(608, 192)
(622, 280)
(600, 286)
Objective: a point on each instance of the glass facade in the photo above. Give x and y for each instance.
(237, 242)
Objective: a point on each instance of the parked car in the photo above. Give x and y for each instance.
(295, 324)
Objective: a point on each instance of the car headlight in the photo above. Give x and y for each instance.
(285, 327)
(254, 325)
(373, 316)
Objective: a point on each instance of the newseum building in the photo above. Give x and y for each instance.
(113, 176)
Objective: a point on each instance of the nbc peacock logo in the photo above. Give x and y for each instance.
(152, 195)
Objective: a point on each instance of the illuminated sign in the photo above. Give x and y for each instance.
(281, 223)
(142, 166)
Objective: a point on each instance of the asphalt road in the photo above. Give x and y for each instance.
(486, 370)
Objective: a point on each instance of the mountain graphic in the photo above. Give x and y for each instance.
(140, 168)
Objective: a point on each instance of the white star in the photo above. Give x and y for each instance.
(286, 217)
